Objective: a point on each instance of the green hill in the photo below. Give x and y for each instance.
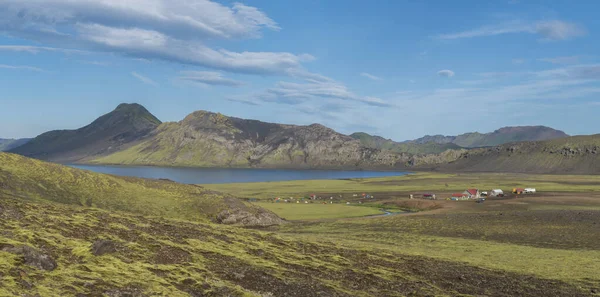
(35, 180)
(577, 155)
(413, 148)
(109, 133)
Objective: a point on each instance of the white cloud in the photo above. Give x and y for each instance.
(370, 76)
(518, 61)
(20, 67)
(37, 49)
(321, 91)
(495, 74)
(549, 30)
(209, 78)
(562, 60)
(95, 63)
(144, 79)
(173, 30)
(446, 73)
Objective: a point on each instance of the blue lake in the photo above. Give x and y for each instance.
(230, 175)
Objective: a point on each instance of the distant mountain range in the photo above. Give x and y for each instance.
(8, 144)
(498, 137)
(131, 135)
(415, 148)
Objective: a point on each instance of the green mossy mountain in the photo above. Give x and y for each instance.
(498, 137)
(414, 148)
(109, 133)
(207, 139)
(39, 181)
(9, 144)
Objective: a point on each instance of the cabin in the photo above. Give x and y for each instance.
(496, 193)
(472, 193)
(518, 191)
(529, 191)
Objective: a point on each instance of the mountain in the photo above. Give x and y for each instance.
(414, 148)
(213, 140)
(576, 155)
(498, 137)
(8, 144)
(39, 181)
(109, 133)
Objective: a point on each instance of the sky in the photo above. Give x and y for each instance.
(399, 69)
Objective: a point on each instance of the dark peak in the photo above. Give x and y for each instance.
(524, 128)
(131, 107)
(127, 112)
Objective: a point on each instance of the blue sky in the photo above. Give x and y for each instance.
(399, 69)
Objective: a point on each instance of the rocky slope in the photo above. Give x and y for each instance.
(498, 137)
(8, 144)
(210, 139)
(109, 133)
(577, 155)
(416, 148)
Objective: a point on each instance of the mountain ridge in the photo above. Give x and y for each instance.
(108, 133)
(207, 139)
(497, 137)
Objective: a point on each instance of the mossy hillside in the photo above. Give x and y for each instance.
(40, 181)
(163, 257)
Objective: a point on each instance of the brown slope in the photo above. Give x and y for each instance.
(109, 133)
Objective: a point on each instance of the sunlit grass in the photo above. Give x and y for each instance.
(311, 211)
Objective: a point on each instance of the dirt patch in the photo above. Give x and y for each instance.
(171, 255)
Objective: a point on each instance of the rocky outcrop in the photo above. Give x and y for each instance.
(103, 246)
(241, 214)
(33, 257)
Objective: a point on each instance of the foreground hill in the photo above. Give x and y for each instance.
(414, 148)
(8, 144)
(210, 139)
(577, 154)
(35, 180)
(64, 250)
(498, 137)
(109, 133)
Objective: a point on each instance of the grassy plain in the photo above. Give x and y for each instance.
(301, 211)
(421, 182)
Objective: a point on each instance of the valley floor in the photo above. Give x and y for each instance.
(541, 245)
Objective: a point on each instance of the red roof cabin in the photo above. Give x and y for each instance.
(472, 193)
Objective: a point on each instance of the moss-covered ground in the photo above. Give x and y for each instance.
(541, 245)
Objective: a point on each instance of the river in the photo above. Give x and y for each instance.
(231, 175)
